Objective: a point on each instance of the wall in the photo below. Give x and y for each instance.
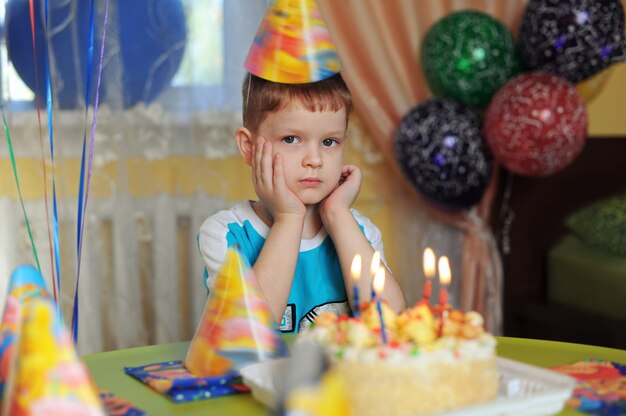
(187, 174)
(606, 110)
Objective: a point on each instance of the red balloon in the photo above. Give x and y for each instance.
(536, 124)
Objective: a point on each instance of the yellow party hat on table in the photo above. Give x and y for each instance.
(236, 327)
(9, 335)
(25, 284)
(48, 377)
(293, 45)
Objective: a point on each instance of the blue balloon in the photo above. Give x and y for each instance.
(440, 149)
(145, 42)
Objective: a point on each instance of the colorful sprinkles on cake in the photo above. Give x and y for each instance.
(427, 364)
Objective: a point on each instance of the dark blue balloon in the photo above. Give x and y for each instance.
(573, 39)
(144, 47)
(440, 149)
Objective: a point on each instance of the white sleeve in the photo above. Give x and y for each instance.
(213, 244)
(372, 233)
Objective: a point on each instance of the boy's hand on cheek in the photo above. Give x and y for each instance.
(268, 177)
(345, 193)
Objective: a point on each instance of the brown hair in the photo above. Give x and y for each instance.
(261, 97)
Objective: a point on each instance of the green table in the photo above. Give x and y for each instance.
(107, 370)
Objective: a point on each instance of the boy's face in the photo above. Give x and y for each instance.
(312, 145)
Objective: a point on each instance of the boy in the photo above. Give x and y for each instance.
(301, 235)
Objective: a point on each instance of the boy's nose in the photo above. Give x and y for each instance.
(313, 158)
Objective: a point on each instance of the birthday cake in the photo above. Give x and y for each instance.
(424, 363)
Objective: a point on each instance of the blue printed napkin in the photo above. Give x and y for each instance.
(173, 380)
(601, 388)
(116, 406)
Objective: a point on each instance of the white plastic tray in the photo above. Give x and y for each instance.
(524, 389)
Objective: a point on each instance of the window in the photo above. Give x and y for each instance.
(218, 36)
(205, 26)
(12, 87)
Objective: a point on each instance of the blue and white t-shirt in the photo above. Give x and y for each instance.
(317, 284)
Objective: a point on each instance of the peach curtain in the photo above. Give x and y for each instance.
(379, 43)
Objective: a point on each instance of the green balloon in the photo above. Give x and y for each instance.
(467, 56)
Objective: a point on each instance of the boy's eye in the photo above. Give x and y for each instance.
(329, 142)
(289, 139)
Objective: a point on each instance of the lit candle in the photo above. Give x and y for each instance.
(355, 270)
(429, 273)
(379, 285)
(374, 269)
(444, 279)
(445, 276)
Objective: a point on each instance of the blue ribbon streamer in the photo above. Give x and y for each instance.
(55, 215)
(81, 184)
(91, 149)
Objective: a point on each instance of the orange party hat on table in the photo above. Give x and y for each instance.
(48, 378)
(293, 45)
(237, 327)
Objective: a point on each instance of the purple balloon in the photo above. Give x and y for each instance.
(440, 149)
(573, 39)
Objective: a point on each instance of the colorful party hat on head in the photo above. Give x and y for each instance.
(48, 377)
(237, 327)
(25, 284)
(293, 45)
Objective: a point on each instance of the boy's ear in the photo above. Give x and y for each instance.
(245, 140)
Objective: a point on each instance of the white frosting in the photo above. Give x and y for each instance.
(446, 349)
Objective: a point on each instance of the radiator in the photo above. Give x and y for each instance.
(141, 272)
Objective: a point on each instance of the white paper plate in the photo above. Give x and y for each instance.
(524, 389)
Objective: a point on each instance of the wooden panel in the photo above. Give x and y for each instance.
(540, 206)
(541, 319)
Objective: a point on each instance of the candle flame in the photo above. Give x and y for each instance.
(444, 271)
(379, 281)
(375, 263)
(355, 269)
(429, 263)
